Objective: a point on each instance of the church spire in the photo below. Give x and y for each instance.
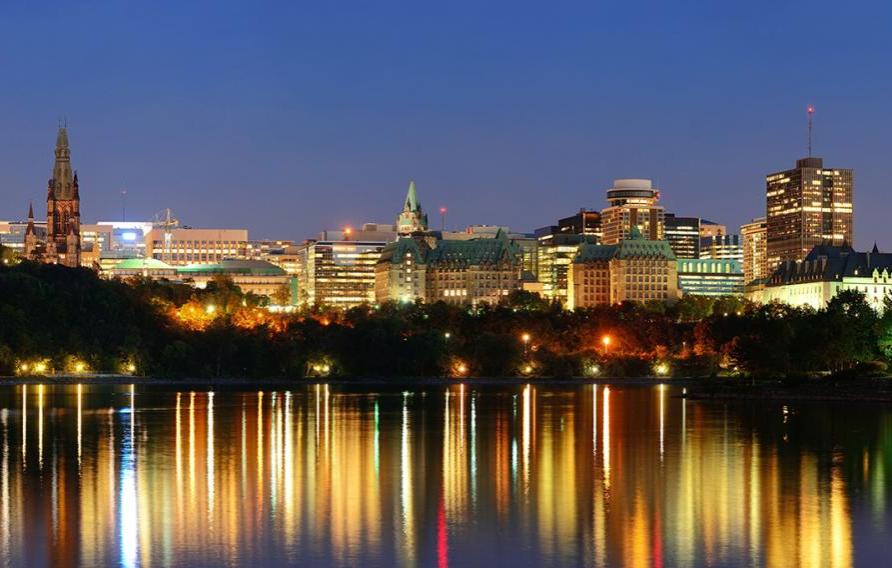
(412, 219)
(62, 182)
(31, 211)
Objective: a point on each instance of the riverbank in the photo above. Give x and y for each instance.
(818, 389)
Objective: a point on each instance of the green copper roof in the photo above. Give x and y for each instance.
(142, 264)
(411, 198)
(396, 251)
(470, 252)
(634, 247)
(253, 267)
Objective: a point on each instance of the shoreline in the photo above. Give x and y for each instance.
(877, 390)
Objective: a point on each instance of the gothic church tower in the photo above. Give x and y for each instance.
(63, 208)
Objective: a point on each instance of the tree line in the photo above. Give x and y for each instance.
(71, 320)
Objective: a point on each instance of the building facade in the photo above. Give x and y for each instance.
(556, 252)
(824, 272)
(721, 247)
(633, 203)
(460, 272)
(683, 235)
(707, 277)
(183, 245)
(635, 270)
(339, 274)
(807, 206)
(755, 253)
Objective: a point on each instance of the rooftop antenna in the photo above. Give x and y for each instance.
(811, 113)
(124, 204)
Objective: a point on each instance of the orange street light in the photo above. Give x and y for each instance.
(606, 341)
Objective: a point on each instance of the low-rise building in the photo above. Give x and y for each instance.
(824, 272)
(708, 277)
(183, 245)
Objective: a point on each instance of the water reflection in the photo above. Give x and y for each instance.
(592, 476)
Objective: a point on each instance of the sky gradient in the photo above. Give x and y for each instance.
(288, 118)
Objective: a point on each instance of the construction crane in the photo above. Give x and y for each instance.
(165, 221)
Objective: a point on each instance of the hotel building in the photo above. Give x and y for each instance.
(807, 206)
(633, 203)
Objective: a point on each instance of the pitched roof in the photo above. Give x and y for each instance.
(825, 263)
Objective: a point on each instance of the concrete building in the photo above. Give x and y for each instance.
(755, 253)
(633, 203)
(708, 277)
(338, 274)
(721, 247)
(712, 229)
(181, 246)
(807, 206)
(683, 235)
(461, 272)
(636, 269)
(824, 272)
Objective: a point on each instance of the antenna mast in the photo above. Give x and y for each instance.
(811, 113)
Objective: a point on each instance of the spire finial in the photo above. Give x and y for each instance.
(811, 112)
(30, 211)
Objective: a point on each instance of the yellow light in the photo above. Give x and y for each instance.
(131, 368)
(23, 367)
(593, 370)
(606, 340)
(661, 369)
(461, 369)
(447, 335)
(211, 308)
(79, 367)
(528, 369)
(325, 368)
(40, 367)
(525, 337)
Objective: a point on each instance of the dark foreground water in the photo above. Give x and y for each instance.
(457, 476)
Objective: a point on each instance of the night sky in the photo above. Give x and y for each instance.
(290, 117)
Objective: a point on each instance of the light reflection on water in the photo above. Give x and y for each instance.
(459, 475)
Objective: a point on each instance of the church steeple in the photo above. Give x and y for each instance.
(62, 185)
(412, 219)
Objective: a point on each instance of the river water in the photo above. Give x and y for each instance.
(515, 475)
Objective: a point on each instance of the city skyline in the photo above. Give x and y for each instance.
(322, 121)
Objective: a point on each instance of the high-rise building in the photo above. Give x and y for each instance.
(683, 234)
(412, 219)
(63, 213)
(586, 222)
(721, 247)
(636, 269)
(755, 258)
(712, 229)
(633, 203)
(807, 206)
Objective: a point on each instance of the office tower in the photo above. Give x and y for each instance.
(721, 247)
(755, 258)
(712, 229)
(683, 235)
(633, 203)
(807, 206)
(585, 222)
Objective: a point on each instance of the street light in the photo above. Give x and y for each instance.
(606, 341)
(526, 341)
(447, 335)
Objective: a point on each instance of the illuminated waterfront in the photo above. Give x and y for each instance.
(517, 475)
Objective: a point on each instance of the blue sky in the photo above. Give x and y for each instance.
(287, 118)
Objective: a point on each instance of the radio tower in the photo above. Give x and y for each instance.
(811, 113)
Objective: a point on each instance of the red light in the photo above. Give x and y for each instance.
(442, 210)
